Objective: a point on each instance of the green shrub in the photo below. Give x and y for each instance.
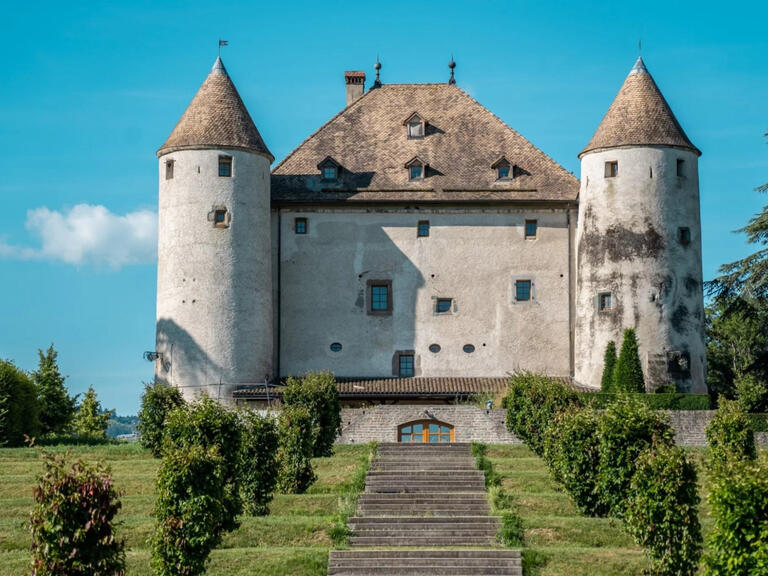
(628, 374)
(482, 463)
(532, 401)
(258, 462)
(190, 503)
(208, 424)
(624, 430)
(158, 399)
(572, 452)
(90, 420)
(317, 392)
(21, 407)
(609, 365)
(57, 408)
(72, 521)
(296, 446)
(738, 499)
(751, 392)
(500, 500)
(662, 401)
(758, 422)
(511, 534)
(661, 511)
(730, 433)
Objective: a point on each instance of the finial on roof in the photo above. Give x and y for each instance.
(452, 66)
(218, 67)
(377, 66)
(639, 67)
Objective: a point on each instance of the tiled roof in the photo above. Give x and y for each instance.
(416, 386)
(462, 140)
(639, 115)
(354, 74)
(216, 118)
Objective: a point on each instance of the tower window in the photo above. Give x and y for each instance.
(531, 227)
(220, 218)
(468, 348)
(611, 169)
(225, 166)
(443, 305)
(169, 169)
(423, 230)
(301, 226)
(604, 301)
(336, 347)
(522, 290)
(684, 236)
(380, 297)
(434, 348)
(405, 366)
(680, 166)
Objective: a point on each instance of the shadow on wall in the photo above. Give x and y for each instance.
(184, 363)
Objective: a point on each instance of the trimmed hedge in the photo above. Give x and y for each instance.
(729, 434)
(758, 422)
(678, 401)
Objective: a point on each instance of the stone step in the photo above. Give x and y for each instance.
(429, 487)
(419, 520)
(435, 497)
(456, 541)
(398, 554)
(428, 570)
(426, 511)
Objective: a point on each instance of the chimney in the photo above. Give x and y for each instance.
(355, 80)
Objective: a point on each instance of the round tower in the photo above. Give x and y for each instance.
(639, 241)
(214, 272)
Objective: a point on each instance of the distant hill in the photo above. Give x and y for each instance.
(122, 425)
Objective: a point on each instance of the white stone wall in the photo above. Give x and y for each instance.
(471, 255)
(627, 244)
(214, 287)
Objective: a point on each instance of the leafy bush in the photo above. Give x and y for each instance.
(491, 477)
(511, 534)
(628, 374)
(191, 498)
(90, 420)
(572, 452)
(532, 401)
(72, 521)
(751, 392)
(158, 399)
(57, 408)
(624, 430)
(19, 401)
(730, 433)
(663, 401)
(609, 365)
(738, 498)
(208, 424)
(258, 462)
(662, 511)
(317, 392)
(758, 422)
(296, 446)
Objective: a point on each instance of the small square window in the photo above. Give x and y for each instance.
(680, 167)
(684, 236)
(443, 305)
(611, 169)
(300, 225)
(380, 297)
(225, 166)
(169, 169)
(503, 172)
(415, 130)
(415, 172)
(423, 230)
(604, 301)
(220, 218)
(405, 363)
(329, 173)
(531, 227)
(523, 290)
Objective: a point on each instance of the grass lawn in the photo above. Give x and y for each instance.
(560, 540)
(293, 539)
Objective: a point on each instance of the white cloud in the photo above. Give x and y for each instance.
(88, 235)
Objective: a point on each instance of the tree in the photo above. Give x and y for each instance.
(609, 365)
(628, 374)
(18, 395)
(317, 392)
(258, 462)
(156, 402)
(57, 408)
(90, 420)
(296, 430)
(730, 435)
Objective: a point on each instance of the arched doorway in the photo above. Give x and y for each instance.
(425, 432)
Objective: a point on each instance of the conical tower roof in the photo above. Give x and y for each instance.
(639, 116)
(216, 118)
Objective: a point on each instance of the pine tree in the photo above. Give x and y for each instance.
(90, 420)
(628, 374)
(609, 364)
(57, 408)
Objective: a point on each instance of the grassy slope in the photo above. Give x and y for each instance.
(292, 540)
(566, 543)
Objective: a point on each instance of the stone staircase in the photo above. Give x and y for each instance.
(429, 496)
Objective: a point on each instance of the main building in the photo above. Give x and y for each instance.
(421, 249)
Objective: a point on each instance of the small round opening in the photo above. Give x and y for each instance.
(434, 348)
(468, 348)
(336, 347)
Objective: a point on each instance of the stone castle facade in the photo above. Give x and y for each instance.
(421, 249)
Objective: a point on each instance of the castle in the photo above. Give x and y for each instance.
(421, 249)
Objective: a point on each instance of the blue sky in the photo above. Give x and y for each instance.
(91, 90)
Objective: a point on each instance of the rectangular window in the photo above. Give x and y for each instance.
(380, 297)
(329, 173)
(503, 172)
(423, 229)
(604, 301)
(680, 165)
(684, 236)
(220, 218)
(225, 166)
(531, 227)
(415, 130)
(443, 305)
(523, 290)
(406, 366)
(169, 170)
(611, 169)
(415, 172)
(300, 225)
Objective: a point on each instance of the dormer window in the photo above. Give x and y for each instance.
(503, 168)
(329, 169)
(415, 126)
(416, 169)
